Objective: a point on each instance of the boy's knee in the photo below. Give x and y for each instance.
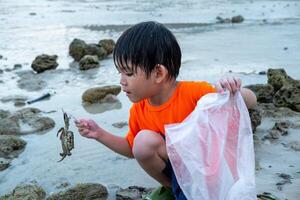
(146, 144)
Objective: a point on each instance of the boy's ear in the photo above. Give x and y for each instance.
(160, 73)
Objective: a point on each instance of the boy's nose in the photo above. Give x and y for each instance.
(123, 81)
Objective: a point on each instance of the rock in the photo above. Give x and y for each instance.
(4, 163)
(255, 117)
(108, 45)
(237, 19)
(17, 66)
(36, 123)
(270, 110)
(132, 193)
(11, 146)
(44, 62)
(87, 191)
(9, 126)
(15, 98)
(288, 96)
(279, 129)
(278, 77)
(295, 145)
(1, 57)
(4, 113)
(120, 124)
(93, 49)
(95, 95)
(31, 81)
(263, 92)
(77, 49)
(221, 20)
(26, 192)
(88, 62)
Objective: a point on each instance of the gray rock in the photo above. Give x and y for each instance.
(132, 193)
(77, 49)
(9, 126)
(31, 81)
(120, 124)
(94, 49)
(4, 163)
(255, 117)
(14, 98)
(295, 145)
(87, 191)
(4, 113)
(288, 96)
(89, 62)
(26, 192)
(36, 123)
(277, 78)
(44, 62)
(108, 45)
(264, 92)
(237, 19)
(11, 146)
(17, 66)
(95, 95)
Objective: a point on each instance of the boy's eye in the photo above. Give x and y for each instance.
(129, 74)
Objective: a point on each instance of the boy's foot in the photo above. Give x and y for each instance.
(160, 193)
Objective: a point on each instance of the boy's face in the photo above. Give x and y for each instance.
(137, 86)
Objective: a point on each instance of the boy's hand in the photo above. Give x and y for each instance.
(88, 128)
(232, 84)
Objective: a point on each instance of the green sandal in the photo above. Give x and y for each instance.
(267, 196)
(161, 193)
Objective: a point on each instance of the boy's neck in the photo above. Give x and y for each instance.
(165, 92)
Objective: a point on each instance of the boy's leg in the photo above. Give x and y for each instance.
(149, 150)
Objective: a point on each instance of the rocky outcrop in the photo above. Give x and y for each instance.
(264, 92)
(19, 100)
(96, 95)
(44, 62)
(234, 19)
(89, 62)
(87, 191)
(281, 90)
(108, 45)
(78, 49)
(10, 147)
(10, 125)
(132, 193)
(26, 192)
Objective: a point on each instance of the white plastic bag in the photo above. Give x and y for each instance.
(211, 151)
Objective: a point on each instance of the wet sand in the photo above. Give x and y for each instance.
(210, 51)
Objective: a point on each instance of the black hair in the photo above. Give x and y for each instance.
(145, 45)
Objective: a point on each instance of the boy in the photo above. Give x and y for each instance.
(148, 58)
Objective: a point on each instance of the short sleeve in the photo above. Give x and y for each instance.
(133, 125)
(199, 89)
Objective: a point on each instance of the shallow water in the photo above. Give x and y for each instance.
(30, 28)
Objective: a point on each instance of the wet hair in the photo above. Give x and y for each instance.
(145, 45)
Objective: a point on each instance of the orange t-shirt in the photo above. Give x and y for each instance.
(183, 101)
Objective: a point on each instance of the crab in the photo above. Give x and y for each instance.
(66, 137)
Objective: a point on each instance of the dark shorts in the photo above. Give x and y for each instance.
(168, 171)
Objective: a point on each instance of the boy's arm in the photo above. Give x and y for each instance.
(249, 97)
(116, 143)
(233, 84)
(90, 129)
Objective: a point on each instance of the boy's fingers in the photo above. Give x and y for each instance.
(218, 87)
(238, 82)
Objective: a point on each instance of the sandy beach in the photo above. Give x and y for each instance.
(268, 38)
